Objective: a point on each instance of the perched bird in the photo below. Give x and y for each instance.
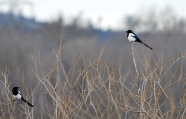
(132, 37)
(17, 95)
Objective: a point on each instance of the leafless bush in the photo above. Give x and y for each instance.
(98, 89)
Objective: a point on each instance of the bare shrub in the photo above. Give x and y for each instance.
(97, 89)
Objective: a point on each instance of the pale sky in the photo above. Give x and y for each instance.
(111, 11)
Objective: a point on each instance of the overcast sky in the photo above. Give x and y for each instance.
(111, 11)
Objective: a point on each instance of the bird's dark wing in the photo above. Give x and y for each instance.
(137, 39)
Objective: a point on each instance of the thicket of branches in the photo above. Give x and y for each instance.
(98, 89)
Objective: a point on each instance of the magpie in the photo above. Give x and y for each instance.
(132, 37)
(17, 95)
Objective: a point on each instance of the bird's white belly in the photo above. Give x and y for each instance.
(131, 38)
(18, 96)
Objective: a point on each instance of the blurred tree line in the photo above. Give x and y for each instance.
(165, 32)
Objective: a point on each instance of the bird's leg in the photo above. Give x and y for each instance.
(15, 100)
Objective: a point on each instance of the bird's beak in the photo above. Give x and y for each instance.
(126, 31)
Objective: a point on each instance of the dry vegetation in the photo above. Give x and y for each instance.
(90, 74)
(98, 89)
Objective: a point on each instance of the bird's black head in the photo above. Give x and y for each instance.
(129, 31)
(15, 88)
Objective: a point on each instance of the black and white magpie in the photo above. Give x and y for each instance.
(132, 37)
(17, 95)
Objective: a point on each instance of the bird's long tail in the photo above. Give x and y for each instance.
(146, 45)
(26, 102)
